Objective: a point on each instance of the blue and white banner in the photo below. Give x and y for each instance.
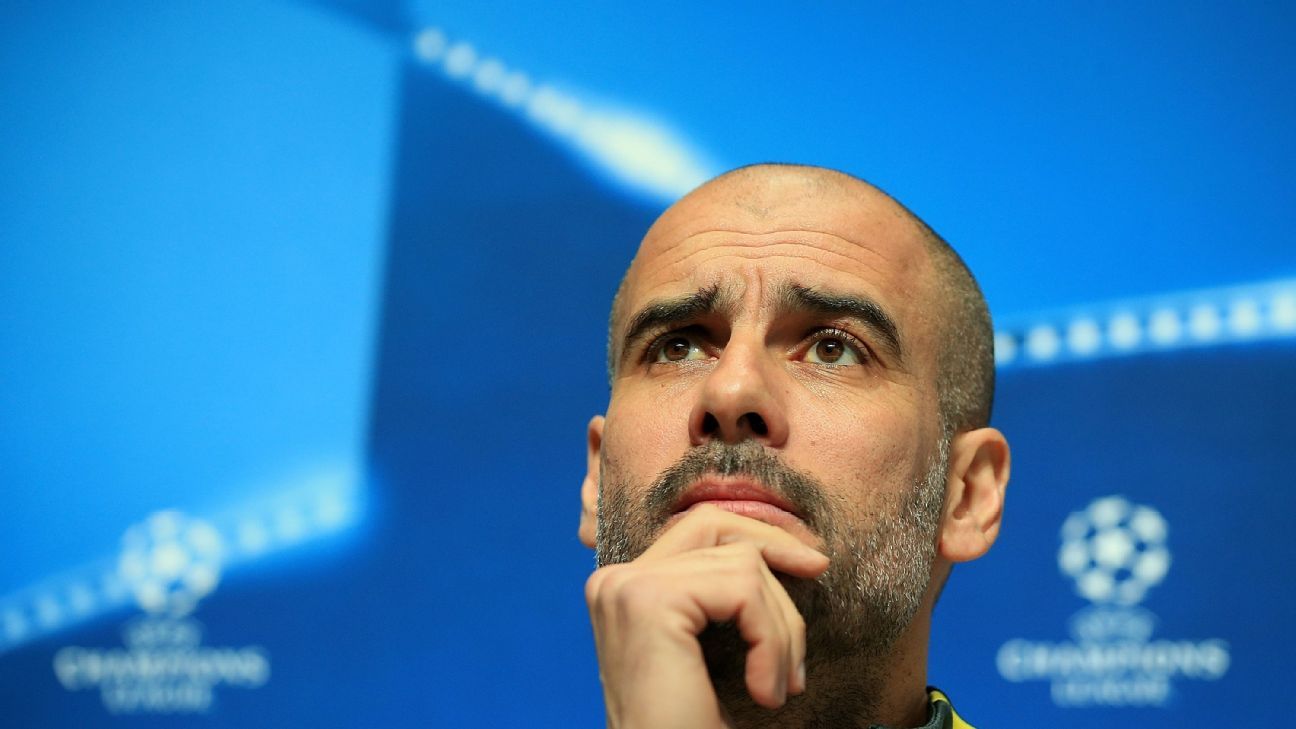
(303, 307)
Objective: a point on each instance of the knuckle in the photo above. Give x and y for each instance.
(636, 589)
(621, 588)
(594, 585)
(751, 553)
(602, 582)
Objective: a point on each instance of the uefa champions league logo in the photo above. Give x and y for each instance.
(171, 562)
(1115, 552)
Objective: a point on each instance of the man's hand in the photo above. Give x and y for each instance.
(711, 566)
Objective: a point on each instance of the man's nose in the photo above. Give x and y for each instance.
(739, 399)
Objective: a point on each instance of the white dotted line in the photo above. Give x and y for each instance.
(635, 150)
(290, 524)
(1222, 317)
(64, 601)
(1043, 342)
(55, 605)
(1083, 336)
(489, 76)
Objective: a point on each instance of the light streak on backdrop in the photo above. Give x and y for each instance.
(1241, 314)
(641, 154)
(322, 504)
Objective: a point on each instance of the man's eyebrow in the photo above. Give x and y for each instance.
(664, 313)
(800, 298)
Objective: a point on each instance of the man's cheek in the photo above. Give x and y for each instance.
(647, 444)
(881, 458)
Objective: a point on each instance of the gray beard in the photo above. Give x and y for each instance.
(855, 612)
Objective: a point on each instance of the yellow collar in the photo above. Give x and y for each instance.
(936, 696)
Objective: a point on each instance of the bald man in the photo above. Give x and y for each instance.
(795, 453)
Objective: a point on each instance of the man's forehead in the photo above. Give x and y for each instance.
(747, 260)
(775, 232)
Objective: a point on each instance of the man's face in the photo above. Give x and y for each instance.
(777, 335)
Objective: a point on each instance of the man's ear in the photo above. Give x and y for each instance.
(590, 487)
(974, 494)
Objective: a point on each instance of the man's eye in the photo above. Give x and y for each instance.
(833, 350)
(677, 348)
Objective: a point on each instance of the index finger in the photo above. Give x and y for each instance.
(710, 526)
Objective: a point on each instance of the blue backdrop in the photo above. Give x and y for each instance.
(304, 307)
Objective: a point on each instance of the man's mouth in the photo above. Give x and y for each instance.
(740, 496)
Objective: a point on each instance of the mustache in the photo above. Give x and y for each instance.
(748, 458)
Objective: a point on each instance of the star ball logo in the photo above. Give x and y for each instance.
(1116, 552)
(170, 562)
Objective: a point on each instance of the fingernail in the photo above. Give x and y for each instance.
(801, 676)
